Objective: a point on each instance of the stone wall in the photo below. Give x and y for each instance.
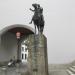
(38, 55)
(8, 47)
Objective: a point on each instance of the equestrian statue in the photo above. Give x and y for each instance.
(38, 18)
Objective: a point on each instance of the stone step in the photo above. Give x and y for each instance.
(72, 69)
(69, 72)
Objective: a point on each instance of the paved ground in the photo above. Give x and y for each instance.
(23, 70)
(61, 72)
(19, 70)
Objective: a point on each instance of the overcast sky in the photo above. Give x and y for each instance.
(59, 29)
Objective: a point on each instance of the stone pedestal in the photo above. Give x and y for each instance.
(37, 59)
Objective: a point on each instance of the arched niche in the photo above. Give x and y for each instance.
(8, 40)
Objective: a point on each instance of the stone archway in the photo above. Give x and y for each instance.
(9, 41)
(8, 45)
(5, 29)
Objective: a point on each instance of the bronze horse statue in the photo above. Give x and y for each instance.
(38, 18)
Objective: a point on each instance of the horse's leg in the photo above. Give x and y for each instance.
(35, 29)
(38, 27)
(41, 29)
(31, 21)
(41, 26)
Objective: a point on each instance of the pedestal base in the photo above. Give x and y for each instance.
(37, 58)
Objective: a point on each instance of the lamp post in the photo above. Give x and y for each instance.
(18, 34)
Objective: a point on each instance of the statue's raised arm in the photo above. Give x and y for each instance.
(32, 10)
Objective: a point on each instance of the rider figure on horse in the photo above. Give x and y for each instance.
(38, 17)
(37, 11)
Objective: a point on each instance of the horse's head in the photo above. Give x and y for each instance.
(35, 5)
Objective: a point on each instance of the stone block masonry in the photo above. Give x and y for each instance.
(37, 58)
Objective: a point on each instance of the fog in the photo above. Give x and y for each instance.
(59, 28)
